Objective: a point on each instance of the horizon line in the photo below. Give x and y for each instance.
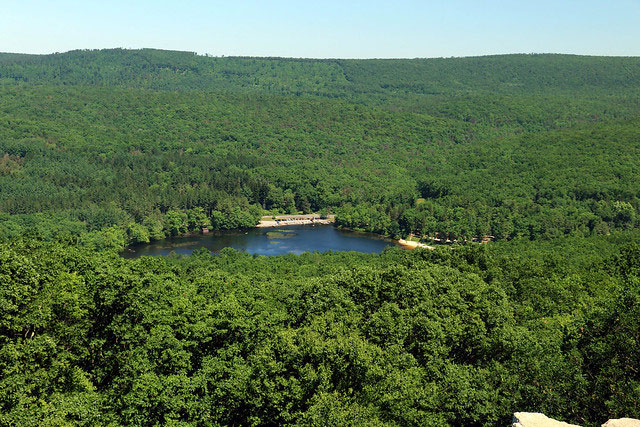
(209, 55)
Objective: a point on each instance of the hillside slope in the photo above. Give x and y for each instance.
(511, 146)
(174, 70)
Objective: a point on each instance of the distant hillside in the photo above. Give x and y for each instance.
(351, 79)
(534, 146)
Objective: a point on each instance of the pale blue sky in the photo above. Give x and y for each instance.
(323, 29)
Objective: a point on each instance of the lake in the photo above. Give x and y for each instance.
(294, 239)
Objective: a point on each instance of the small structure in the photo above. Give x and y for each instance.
(486, 239)
(204, 230)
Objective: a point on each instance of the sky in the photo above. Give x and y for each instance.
(325, 28)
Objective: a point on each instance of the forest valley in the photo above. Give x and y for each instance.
(103, 149)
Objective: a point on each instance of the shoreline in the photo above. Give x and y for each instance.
(292, 220)
(405, 244)
(285, 220)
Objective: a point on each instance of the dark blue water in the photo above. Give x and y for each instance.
(268, 241)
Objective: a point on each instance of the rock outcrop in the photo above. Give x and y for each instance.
(536, 419)
(622, 422)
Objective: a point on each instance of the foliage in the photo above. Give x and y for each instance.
(401, 338)
(101, 149)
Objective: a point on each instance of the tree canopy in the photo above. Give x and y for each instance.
(102, 149)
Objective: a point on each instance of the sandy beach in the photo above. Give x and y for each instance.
(413, 245)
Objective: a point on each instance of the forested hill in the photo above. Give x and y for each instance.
(511, 146)
(101, 149)
(351, 79)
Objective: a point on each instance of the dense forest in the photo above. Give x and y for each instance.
(102, 149)
(494, 150)
(463, 336)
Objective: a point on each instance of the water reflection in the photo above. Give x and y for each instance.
(268, 241)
